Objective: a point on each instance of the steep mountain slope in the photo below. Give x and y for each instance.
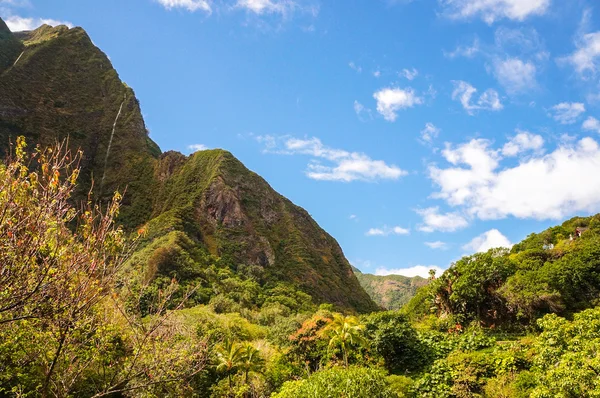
(55, 84)
(390, 291)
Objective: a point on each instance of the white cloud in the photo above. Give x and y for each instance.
(190, 5)
(541, 186)
(437, 245)
(464, 51)
(515, 75)
(360, 110)
(377, 73)
(591, 124)
(268, 6)
(567, 112)
(409, 74)
(433, 220)
(197, 147)
(524, 41)
(430, 132)
(417, 270)
(586, 58)
(355, 67)
(522, 142)
(19, 24)
(492, 10)
(386, 231)
(491, 239)
(391, 100)
(353, 217)
(257, 7)
(464, 93)
(344, 166)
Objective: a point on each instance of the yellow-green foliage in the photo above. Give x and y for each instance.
(217, 327)
(339, 382)
(64, 330)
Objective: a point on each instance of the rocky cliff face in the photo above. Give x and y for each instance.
(56, 84)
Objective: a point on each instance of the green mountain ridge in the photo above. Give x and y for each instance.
(391, 292)
(57, 84)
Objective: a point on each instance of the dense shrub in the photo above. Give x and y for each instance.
(338, 382)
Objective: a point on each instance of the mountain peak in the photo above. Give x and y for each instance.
(209, 199)
(3, 27)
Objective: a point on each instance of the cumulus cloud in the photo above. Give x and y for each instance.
(540, 186)
(342, 165)
(493, 10)
(591, 124)
(409, 74)
(437, 245)
(464, 93)
(567, 112)
(515, 75)
(190, 5)
(430, 132)
(19, 24)
(417, 270)
(433, 220)
(586, 58)
(387, 231)
(491, 239)
(391, 100)
(522, 142)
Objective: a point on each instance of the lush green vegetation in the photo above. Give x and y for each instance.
(555, 271)
(217, 286)
(88, 309)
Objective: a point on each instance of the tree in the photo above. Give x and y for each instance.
(230, 358)
(391, 336)
(63, 326)
(345, 332)
(251, 360)
(308, 343)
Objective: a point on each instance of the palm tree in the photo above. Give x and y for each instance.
(345, 332)
(251, 360)
(229, 359)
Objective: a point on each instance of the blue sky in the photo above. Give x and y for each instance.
(413, 131)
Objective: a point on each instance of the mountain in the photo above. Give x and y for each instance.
(390, 291)
(57, 84)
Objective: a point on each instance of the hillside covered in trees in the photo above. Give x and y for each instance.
(391, 292)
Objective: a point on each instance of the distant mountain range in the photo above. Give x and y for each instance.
(390, 291)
